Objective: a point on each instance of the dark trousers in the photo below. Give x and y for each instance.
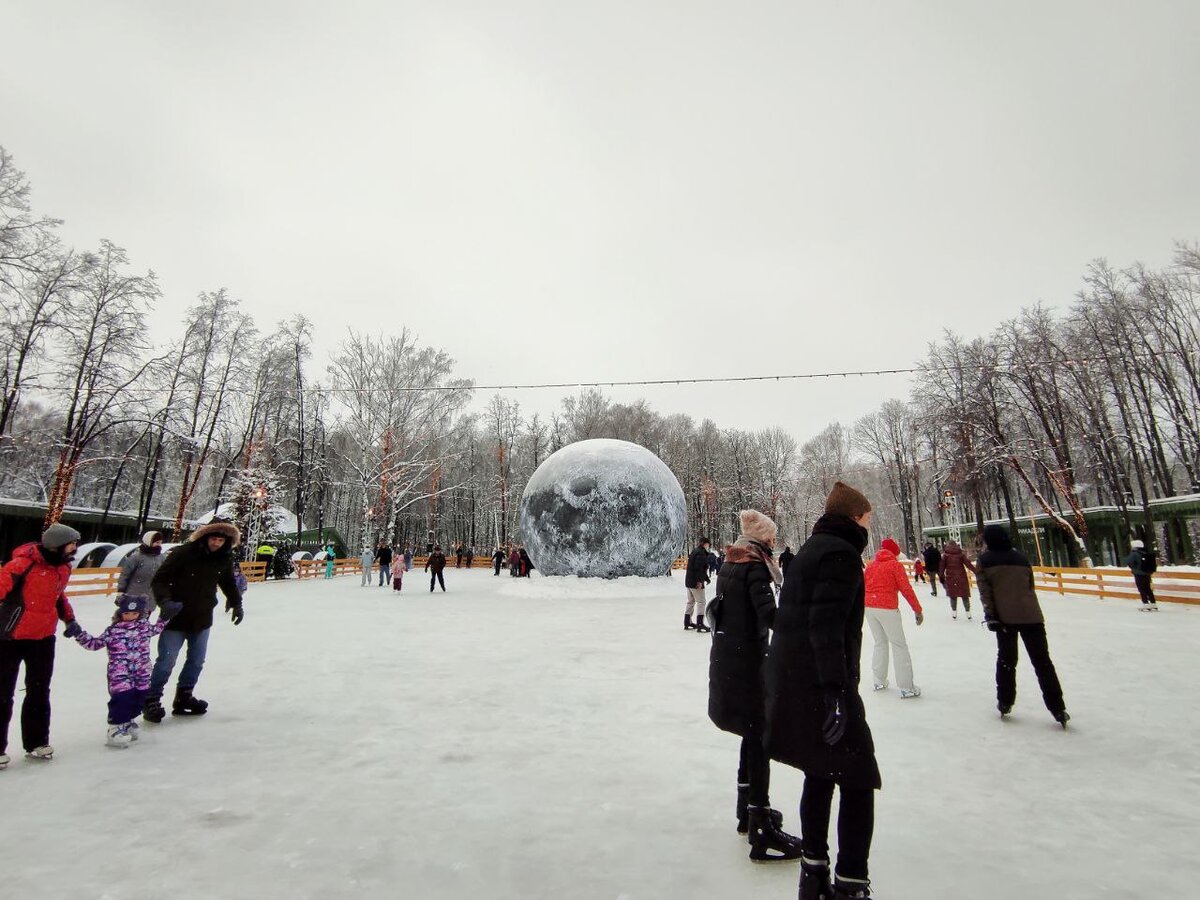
(921, 577)
(38, 656)
(754, 769)
(497, 565)
(1038, 649)
(1143, 586)
(856, 825)
(933, 578)
(125, 706)
(954, 604)
(436, 577)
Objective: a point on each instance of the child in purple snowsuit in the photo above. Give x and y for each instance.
(128, 642)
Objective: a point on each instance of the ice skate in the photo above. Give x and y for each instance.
(880, 686)
(45, 752)
(1005, 711)
(767, 842)
(954, 615)
(119, 736)
(152, 709)
(910, 694)
(687, 623)
(814, 879)
(1062, 718)
(134, 730)
(187, 705)
(4, 760)
(701, 628)
(743, 814)
(851, 889)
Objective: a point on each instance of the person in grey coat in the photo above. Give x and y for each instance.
(366, 560)
(138, 568)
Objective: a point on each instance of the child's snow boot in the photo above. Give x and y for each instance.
(187, 705)
(118, 736)
(851, 889)
(767, 842)
(814, 879)
(152, 709)
(687, 623)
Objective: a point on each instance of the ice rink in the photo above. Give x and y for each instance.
(548, 738)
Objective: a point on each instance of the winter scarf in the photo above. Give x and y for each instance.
(763, 554)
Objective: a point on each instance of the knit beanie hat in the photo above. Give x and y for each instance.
(846, 501)
(757, 526)
(150, 537)
(996, 537)
(133, 603)
(1136, 545)
(58, 536)
(891, 545)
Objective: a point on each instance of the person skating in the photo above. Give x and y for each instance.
(365, 562)
(138, 568)
(435, 565)
(933, 565)
(815, 718)
(127, 640)
(458, 556)
(498, 558)
(514, 562)
(1143, 563)
(384, 556)
(32, 583)
(694, 580)
(919, 569)
(470, 557)
(785, 558)
(953, 572)
(329, 561)
(884, 579)
(526, 564)
(1011, 610)
(408, 558)
(736, 693)
(190, 575)
(398, 578)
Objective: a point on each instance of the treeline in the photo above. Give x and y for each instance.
(1097, 405)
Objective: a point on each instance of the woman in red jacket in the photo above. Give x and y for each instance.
(884, 579)
(33, 582)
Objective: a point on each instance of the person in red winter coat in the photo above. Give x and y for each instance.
(33, 583)
(884, 579)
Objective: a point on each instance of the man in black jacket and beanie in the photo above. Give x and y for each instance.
(190, 576)
(815, 717)
(694, 579)
(933, 565)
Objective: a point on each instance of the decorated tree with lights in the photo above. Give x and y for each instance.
(252, 495)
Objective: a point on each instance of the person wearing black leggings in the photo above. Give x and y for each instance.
(816, 721)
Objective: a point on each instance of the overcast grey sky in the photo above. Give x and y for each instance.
(558, 190)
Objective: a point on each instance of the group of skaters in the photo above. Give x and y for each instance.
(182, 585)
(515, 558)
(784, 672)
(392, 565)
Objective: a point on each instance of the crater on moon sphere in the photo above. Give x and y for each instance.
(603, 508)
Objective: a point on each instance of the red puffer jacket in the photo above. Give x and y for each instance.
(885, 576)
(42, 590)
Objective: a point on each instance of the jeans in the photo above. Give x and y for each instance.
(385, 574)
(856, 825)
(170, 642)
(754, 770)
(38, 656)
(1034, 637)
(436, 577)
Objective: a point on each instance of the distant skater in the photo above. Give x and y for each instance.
(695, 577)
(933, 565)
(498, 560)
(1143, 563)
(435, 565)
(884, 579)
(953, 569)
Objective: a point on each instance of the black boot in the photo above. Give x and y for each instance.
(187, 705)
(851, 889)
(814, 879)
(687, 623)
(701, 628)
(767, 842)
(152, 709)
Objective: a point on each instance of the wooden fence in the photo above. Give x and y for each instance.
(1117, 584)
(103, 582)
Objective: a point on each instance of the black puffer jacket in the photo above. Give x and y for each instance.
(697, 568)
(191, 575)
(816, 650)
(736, 690)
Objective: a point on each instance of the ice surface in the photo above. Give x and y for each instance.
(603, 508)
(547, 738)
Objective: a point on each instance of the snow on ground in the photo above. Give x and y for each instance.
(547, 738)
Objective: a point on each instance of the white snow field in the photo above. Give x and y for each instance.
(547, 738)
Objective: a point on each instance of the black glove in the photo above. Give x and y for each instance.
(994, 625)
(841, 710)
(169, 609)
(238, 615)
(73, 628)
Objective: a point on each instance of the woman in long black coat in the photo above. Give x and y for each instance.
(815, 717)
(736, 689)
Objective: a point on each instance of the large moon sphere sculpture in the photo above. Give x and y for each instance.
(603, 508)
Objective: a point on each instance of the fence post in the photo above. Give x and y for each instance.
(1058, 575)
(1100, 583)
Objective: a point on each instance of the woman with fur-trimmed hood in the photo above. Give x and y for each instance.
(743, 617)
(190, 575)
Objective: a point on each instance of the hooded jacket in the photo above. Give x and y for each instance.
(138, 569)
(1006, 582)
(884, 578)
(42, 582)
(953, 571)
(191, 574)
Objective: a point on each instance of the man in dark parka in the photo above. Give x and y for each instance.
(190, 575)
(815, 717)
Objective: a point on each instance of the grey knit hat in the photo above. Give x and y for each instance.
(59, 535)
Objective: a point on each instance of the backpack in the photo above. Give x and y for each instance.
(1149, 563)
